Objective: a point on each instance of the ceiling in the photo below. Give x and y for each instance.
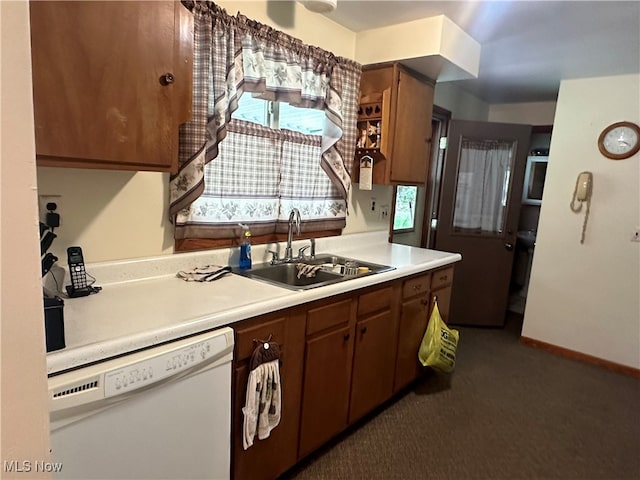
(527, 46)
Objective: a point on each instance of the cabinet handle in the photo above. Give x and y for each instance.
(363, 330)
(424, 302)
(443, 278)
(418, 287)
(167, 79)
(347, 336)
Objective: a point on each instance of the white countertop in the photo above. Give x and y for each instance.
(143, 303)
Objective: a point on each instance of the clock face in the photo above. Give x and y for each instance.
(620, 140)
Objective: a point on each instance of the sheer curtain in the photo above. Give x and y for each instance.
(232, 55)
(483, 183)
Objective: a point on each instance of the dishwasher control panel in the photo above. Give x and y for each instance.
(154, 369)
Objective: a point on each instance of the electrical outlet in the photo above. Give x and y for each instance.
(384, 212)
(372, 204)
(635, 236)
(42, 205)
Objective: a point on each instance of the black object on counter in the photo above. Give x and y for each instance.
(54, 323)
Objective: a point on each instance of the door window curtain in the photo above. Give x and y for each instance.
(483, 183)
(232, 55)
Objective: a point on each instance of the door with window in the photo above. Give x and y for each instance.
(478, 215)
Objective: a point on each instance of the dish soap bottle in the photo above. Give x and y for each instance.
(245, 248)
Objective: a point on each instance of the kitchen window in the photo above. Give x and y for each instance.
(255, 164)
(279, 115)
(404, 216)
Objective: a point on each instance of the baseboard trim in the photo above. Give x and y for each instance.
(582, 357)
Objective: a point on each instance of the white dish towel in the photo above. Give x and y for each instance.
(262, 406)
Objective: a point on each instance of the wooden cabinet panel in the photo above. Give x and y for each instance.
(374, 301)
(413, 323)
(373, 364)
(269, 458)
(416, 286)
(444, 301)
(99, 101)
(442, 277)
(394, 124)
(328, 316)
(247, 334)
(411, 142)
(325, 398)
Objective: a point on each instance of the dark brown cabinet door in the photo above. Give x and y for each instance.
(267, 459)
(413, 323)
(325, 398)
(111, 82)
(373, 364)
(412, 136)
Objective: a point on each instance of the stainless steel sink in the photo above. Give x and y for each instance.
(332, 269)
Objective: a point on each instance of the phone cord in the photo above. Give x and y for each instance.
(584, 224)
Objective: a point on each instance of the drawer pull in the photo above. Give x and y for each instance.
(347, 336)
(417, 288)
(363, 330)
(444, 278)
(424, 302)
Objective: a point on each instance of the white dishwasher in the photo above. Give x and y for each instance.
(164, 412)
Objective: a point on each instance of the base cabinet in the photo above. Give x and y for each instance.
(327, 374)
(413, 323)
(341, 358)
(374, 353)
(268, 458)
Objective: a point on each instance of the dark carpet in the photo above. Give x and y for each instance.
(509, 411)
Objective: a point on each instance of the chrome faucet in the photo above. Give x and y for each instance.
(294, 220)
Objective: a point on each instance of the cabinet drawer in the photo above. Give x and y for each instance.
(442, 277)
(245, 336)
(374, 301)
(327, 316)
(416, 286)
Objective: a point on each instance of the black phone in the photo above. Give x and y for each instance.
(79, 286)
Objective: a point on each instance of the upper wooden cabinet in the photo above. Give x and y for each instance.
(112, 82)
(394, 124)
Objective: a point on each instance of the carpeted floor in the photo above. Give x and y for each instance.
(509, 411)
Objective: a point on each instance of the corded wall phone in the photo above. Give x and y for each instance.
(581, 195)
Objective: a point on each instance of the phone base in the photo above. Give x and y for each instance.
(80, 292)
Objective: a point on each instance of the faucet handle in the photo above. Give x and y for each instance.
(274, 256)
(301, 252)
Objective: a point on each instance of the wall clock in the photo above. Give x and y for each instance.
(619, 140)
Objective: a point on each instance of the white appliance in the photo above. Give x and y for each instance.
(164, 412)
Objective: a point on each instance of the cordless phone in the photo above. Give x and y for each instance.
(79, 286)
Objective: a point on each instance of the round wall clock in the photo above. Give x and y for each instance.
(619, 140)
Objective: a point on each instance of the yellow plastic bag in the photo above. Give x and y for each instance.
(439, 344)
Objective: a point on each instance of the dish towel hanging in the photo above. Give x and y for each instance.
(262, 409)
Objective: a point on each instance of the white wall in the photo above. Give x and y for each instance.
(586, 297)
(24, 417)
(462, 104)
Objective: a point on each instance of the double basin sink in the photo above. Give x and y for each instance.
(322, 270)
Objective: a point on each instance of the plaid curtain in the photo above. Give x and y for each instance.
(258, 177)
(232, 55)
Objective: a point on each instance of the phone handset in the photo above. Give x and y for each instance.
(79, 286)
(582, 195)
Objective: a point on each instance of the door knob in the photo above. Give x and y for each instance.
(508, 246)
